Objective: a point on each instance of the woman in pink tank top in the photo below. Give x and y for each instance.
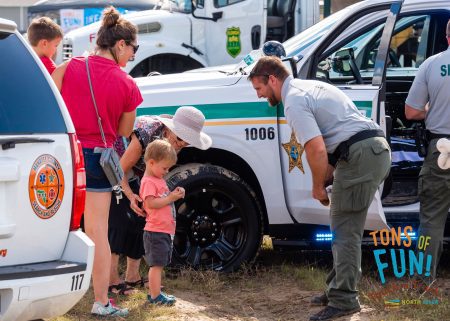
(116, 96)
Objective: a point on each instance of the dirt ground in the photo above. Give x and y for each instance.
(278, 287)
(288, 303)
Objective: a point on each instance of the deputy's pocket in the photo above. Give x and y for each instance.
(352, 195)
(380, 146)
(422, 191)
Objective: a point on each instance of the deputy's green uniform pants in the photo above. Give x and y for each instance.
(355, 183)
(434, 196)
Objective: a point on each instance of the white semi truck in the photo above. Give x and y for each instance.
(179, 35)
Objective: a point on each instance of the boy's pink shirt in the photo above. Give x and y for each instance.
(158, 219)
(49, 64)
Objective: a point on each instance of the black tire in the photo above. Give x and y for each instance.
(219, 222)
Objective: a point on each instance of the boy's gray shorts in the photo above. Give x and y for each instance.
(158, 248)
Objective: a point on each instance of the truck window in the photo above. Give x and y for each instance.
(407, 51)
(344, 62)
(224, 3)
(26, 99)
(408, 47)
(409, 43)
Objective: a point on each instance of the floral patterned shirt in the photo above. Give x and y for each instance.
(146, 129)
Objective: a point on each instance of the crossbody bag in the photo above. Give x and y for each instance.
(109, 159)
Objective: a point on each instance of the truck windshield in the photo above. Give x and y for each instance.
(302, 42)
(297, 45)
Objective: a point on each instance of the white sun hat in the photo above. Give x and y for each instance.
(187, 124)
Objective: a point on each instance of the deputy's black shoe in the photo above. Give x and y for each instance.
(329, 313)
(320, 300)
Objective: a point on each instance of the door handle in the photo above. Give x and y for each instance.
(7, 230)
(256, 37)
(9, 169)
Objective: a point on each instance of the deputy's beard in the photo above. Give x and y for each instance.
(272, 100)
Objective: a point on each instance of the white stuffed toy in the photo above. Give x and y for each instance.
(443, 146)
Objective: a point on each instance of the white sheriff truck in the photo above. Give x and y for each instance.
(45, 260)
(255, 179)
(179, 35)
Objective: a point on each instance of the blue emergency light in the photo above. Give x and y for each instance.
(324, 237)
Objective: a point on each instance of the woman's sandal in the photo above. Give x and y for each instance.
(120, 289)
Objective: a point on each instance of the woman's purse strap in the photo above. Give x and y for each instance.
(95, 104)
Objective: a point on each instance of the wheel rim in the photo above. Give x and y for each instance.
(211, 229)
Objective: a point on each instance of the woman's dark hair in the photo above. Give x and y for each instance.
(113, 29)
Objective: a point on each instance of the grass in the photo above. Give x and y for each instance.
(278, 287)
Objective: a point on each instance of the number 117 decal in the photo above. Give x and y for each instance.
(77, 281)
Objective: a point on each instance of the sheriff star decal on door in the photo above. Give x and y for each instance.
(294, 151)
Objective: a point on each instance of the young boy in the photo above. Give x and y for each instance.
(158, 205)
(44, 36)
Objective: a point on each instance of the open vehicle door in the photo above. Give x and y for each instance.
(362, 40)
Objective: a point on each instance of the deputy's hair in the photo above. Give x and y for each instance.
(266, 66)
(448, 28)
(160, 149)
(43, 28)
(113, 29)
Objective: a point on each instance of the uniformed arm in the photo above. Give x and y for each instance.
(413, 113)
(58, 74)
(317, 157)
(418, 96)
(127, 161)
(126, 123)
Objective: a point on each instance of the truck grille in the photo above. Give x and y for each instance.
(67, 50)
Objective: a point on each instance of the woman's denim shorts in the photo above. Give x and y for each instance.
(96, 180)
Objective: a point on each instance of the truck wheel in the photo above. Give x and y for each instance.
(219, 221)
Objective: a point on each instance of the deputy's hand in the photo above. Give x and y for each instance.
(321, 195)
(135, 200)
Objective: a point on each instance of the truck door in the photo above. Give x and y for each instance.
(240, 29)
(355, 62)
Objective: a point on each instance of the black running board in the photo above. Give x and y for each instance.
(35, 270)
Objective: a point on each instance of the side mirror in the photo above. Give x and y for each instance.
(293, 64)
(217, 15)
(341, 61)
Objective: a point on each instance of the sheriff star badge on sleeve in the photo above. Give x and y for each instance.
(294, 150)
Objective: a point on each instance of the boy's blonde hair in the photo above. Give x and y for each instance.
(43, 28)
(160, 149)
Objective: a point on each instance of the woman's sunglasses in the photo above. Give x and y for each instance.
(135, 47)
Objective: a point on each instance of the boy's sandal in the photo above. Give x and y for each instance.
(137, 284)
(120, 289)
